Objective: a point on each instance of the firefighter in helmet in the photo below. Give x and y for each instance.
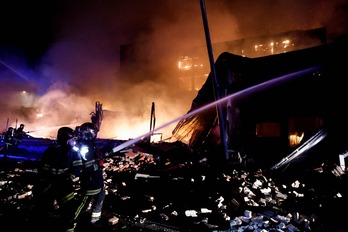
(18, 135)
(58, 170)
(91, 177)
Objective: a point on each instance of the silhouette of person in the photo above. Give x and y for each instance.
(18, 135)
(8, 140)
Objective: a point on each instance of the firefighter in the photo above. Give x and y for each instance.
(7, 139)
(18, 135)
(92, 189)
(57, 171)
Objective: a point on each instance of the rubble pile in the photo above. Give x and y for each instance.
(147, 193)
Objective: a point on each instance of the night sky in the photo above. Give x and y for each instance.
(28, 27)
(65, 54)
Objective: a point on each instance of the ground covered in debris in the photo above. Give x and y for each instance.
(156, 193)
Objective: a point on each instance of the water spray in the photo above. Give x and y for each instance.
(262, 86)
(50, 128)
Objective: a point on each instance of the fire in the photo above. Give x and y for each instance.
(295, 139)
(185, 63)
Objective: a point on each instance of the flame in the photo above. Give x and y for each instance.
(295, 139)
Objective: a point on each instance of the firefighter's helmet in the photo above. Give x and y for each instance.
(64, 134)
(88, 131)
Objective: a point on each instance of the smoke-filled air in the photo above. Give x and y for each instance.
(58, 58)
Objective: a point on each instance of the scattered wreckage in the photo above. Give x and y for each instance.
(146, 193)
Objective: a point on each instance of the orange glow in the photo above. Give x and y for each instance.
(295, 139)
(185, 63)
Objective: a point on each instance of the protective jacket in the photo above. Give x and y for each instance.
(91, 169)
(57, 171)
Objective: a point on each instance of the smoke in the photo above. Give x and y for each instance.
(83, 64)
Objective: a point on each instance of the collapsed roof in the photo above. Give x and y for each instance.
(304, 83)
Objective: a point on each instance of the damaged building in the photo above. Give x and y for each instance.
(280, 112)
(271, 104)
